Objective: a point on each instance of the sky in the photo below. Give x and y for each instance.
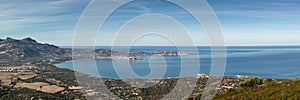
(244, 22)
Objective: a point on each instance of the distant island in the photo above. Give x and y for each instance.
(29, 51)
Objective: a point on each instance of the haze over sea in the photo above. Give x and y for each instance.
(261, 61)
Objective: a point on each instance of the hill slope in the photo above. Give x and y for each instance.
(270, 91)
(28, 49)
(18, 52)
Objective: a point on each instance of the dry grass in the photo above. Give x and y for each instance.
(6, 82)
(6, 77)
(5, 74)
(35, 85)
(52, 89)
(26, 75)
(40, 86)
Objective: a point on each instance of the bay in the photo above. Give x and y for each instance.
(261, 61)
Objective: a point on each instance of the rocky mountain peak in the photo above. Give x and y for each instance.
(8, 39)
(28, 40)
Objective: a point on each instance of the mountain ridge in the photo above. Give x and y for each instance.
(28, 51)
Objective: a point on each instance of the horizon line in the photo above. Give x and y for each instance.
(226, 45)
(176, 46)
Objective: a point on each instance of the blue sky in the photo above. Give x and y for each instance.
(244, 22)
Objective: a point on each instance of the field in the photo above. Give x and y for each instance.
(52, 89)
(7, 74)
(26, 75)
(6, 77)
(40, 86)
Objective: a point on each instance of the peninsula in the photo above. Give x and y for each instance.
(29, 51)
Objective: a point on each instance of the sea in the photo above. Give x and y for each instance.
(281, 62)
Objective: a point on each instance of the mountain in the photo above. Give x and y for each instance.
(13, 50)
(28, 51)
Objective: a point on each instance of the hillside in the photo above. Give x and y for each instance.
(269, 91)
(13, 51)
(29, 51)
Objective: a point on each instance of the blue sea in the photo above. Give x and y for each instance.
(261, 61)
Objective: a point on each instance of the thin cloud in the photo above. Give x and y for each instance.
(47, 20)
(38, 12)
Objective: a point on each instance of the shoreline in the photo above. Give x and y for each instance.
(87, 84)
(234, 76)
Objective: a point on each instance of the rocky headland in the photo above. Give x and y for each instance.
(29, 51)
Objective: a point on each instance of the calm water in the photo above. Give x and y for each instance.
(267, 62)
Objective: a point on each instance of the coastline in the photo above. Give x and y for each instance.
(234, 75)
(67, 79)
(228, 84)
(196, 76)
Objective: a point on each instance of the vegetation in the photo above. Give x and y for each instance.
(28, 94)
(44, 72)
(270, 90)
(251, 82)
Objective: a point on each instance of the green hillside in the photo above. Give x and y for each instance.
(270, 90)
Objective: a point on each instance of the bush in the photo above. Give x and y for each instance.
(253, 82)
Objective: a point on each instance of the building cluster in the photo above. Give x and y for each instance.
(16, 69)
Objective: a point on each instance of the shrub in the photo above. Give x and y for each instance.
(253, 82)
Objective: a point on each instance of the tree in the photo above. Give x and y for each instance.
(251, 82)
